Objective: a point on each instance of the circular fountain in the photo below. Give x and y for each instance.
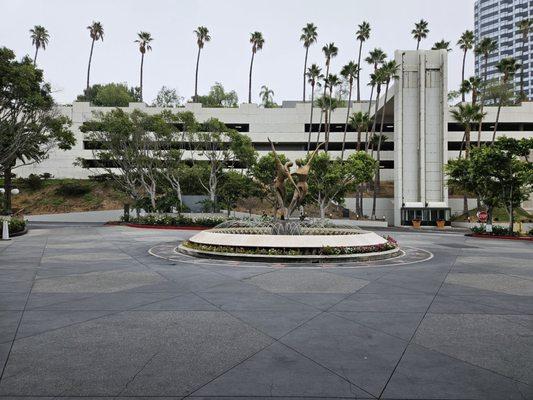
(289, 241)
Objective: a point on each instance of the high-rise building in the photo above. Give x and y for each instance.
(498, 19)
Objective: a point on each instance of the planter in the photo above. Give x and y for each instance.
(416, 223)
(441, 223)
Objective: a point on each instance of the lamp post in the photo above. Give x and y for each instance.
(5, 219)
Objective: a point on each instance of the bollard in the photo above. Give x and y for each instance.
(5, 230)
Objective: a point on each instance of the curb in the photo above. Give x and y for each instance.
(168, 227)
(481, 236)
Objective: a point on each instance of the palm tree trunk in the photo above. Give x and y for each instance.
(463, 75)
(196, 76)
(8, 185)
(305, 68)
(496, 122)
(522, 94)
(311, 118)
(358, 139)
(321, 112)
(359, 71)
(35, 56)
(417, 44)
(347, 117)
(378, 91)
(326, 134)
(250, 79)
(369, 109)
(89, 65)
(141, 80)
(483, 98)
(378, 178)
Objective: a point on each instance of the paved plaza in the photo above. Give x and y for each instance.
(87, 312)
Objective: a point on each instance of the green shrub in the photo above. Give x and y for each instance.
(15, 225)
(72, 189)
(175, 220)
(32, 182)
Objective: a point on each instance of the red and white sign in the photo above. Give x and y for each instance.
(482, 216)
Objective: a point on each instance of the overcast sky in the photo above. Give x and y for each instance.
(226, 58)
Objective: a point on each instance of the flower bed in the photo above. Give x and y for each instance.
(174, 221)
(322, 251)
(499, 232)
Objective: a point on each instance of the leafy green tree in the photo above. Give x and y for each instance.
(420, 32)
(96, 32)
(308, 37)
(524, 27)
(234, 186)
(39, 38)
(110, 95)
(442, 45)
(202, 36)
(465, 43)
(507, 67)
(471, 85)
(143, 39)
(330, 180)
(362, 35)
(500, 174)
(167, 97)
(348, 72)
(30, 125)
(218, 97)
(314, 75)
(257, 41)
(263, 173)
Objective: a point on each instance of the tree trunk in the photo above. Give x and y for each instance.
(305, 68)
(311, 119)
(378, 178)
(369, 109)
(8, 185)
(213, 190)
(326, 134)
(347, 117)
(482, 99)
(35, 56)
(467, 155)
(141, 80)
(417, 44)
(374, 122)
(250, 79)
(359, 71)
(321, 111)
(89, 65)
(358, 139)
(522, 94)
(196, 76)
(463, 75)
(497, 120)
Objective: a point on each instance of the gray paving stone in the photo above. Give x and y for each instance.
(280, 371)
(12, 301)
(426, 374)
(260, 301)
(364, 356)
(385, 302)
(9, 321)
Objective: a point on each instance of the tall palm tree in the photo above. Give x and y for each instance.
(308, 37)
(39, 38)
(377, 79)
(202, 36)
(359, 121)
(465, 43)
(348, 72)
(471, 85)
(485, 48)
(524, 27)
(362, 35)
(376, 57)
(332, 82)
(420, 32)
(314, 75)
(442, 45)
(330, 51)
(143, 39)
(467, 114)
(257, 41)
(508, 68)
(266, 95)
(96, 32)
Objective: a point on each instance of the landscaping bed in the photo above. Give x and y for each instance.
(498, 233)
(171, 222)
(17, 227)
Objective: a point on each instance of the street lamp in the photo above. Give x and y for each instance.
(5, 219)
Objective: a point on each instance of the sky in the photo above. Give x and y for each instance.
(226, 57)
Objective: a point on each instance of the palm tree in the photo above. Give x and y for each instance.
(467, 114)
(442, 45)
(376, 58)
(143, 39)
(524, 27)
(420, 32)
(96, 32)
(39, 38)
(363, 33)
(465, 43)
(257, 41)
(377, 140)
(266, 95)
(507, 67)
(332, 82)
(314, 75)
(348, 72)
(360, 122)
(377, 79)
(309, 36)
(472, 85)
(202, 36)
(330, 51)
(485, 48)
